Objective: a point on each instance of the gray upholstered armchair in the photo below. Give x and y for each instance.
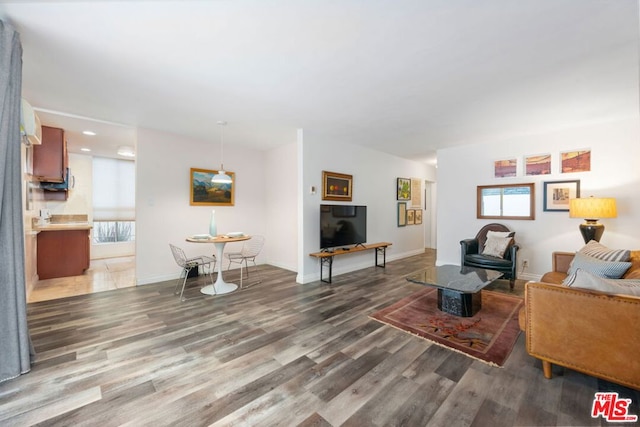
(472, 253)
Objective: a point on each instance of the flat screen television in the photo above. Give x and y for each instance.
(342, 225)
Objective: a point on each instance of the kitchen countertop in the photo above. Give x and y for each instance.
(63, 222)
(63, 226)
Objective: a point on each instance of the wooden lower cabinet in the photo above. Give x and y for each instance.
(63, 253)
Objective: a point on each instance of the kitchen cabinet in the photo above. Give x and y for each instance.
(63, 253)
(50, 159)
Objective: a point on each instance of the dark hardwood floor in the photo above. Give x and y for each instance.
(277, 353)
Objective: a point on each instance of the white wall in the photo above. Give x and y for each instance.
(281, 208)
(163, 213)
(374, 184)
(281, 200)
(615, 150)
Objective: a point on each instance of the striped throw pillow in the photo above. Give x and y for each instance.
(597, 250)
(607, 269)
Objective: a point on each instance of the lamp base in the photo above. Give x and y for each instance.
(591, 231)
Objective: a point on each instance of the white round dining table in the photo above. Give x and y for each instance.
(220, 287)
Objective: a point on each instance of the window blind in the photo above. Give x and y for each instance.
(113, 189)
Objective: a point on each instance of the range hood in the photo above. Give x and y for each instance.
(68, 183)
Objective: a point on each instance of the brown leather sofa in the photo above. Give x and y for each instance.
(592, 332)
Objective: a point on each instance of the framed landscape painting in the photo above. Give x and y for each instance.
(538, 165)
(575, 161)
(505, 168)
(206, 193)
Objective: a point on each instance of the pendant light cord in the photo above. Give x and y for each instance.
(222, 124)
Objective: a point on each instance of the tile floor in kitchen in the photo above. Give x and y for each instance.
(102, 275)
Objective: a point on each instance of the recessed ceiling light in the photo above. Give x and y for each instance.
(89, 132)
(85, 149)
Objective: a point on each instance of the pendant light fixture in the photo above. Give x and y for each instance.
(221, 177)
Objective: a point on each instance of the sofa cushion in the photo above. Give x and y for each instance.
(496, 245)
(607, 269)
(599, 251)
(585, 280)
(634, 271)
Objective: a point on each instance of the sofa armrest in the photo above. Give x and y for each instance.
(561, 261)
(587, 331)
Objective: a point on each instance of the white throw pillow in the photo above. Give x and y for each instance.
(500, 233)
(496, 246)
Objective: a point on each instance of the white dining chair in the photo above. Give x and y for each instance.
(189, 263)
(250, 250)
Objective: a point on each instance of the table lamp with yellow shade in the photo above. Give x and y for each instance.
(592, 209)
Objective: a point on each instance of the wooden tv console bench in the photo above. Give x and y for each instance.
(326, 257)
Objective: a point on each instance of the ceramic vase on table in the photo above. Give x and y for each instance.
(213, 229)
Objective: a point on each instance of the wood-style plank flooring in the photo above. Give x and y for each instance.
(277, 353)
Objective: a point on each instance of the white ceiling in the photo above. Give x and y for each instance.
(402, 76)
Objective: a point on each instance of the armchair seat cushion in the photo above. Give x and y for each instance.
(482, 261)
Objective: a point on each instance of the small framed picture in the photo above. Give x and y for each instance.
(411, 216)
(418, 216)
(575, 161)
(537, 165)
(403, 189)
(337, 186)
(557, 194)
(504, 168)
(402, 214)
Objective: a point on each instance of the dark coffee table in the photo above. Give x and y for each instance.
(458, 287)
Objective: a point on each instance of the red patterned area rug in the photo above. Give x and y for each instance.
(488, 336)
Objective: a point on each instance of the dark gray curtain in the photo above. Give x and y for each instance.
(14, 334)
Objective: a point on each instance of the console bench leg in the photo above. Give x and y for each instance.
(329, 262)
(383, 250)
